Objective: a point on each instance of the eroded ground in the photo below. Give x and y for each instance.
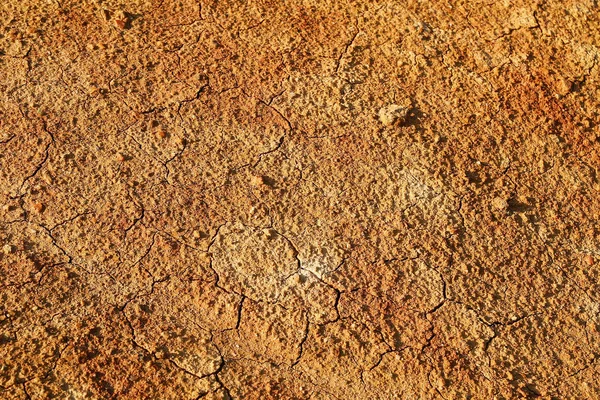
(299, 199)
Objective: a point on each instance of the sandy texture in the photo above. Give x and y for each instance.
(299, 199)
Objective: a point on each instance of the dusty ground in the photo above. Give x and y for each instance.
(299, 199)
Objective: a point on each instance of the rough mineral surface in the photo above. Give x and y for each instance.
(299, 199)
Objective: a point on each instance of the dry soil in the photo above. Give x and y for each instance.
(299, 199)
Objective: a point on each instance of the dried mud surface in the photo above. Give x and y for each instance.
(299, 199)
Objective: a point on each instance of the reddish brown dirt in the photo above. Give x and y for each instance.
(299, 199)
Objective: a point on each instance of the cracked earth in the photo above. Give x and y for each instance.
(299, 199)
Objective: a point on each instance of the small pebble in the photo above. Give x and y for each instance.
(500, 204)
(121, 20)
(38, 207)
(257, 180)
(393, 113)
(7, 249)
(120, 157)
(162, 134)
(589, 260)
(563, 86)
(47, 177)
